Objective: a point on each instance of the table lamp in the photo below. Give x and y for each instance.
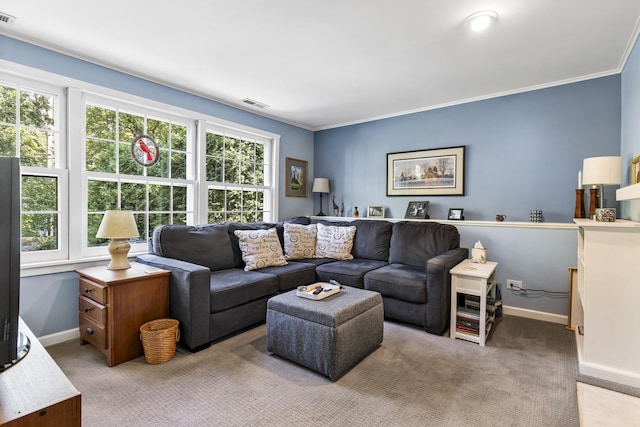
(598, 172)
(320, 185)
(119, 226)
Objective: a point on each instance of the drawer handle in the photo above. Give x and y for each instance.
(86, 310)
(89, 331)
(87, 290)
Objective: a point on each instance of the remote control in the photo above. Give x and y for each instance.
(317, 291)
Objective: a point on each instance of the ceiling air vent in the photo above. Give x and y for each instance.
(6, 18)
(254, 103)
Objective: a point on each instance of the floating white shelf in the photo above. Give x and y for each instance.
(629, 192)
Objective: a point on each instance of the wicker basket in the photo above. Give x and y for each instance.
(159, 338)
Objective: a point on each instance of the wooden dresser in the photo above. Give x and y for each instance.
(35, 392)
(113, 304)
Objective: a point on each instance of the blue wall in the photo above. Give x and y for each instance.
(523, 152)
(294, 142)
(630, 146)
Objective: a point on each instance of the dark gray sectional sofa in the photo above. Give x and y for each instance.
(213, 297)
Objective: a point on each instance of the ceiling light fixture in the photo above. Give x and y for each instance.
(480, 21)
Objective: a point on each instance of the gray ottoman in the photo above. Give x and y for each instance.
(330, 335)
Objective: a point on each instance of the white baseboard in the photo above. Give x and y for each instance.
(59, 337)
(537, 315)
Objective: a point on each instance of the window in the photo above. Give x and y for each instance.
(157, 195)
(30, 129)
(238, 175)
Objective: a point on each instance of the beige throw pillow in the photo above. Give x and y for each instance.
(299, 241)
(260, 248)
(334, 242)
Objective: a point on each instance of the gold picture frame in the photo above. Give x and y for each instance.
(296, 184)
(635, 170)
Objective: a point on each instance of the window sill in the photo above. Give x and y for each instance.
(62, 266)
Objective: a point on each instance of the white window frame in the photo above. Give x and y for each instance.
(271, 143)
(83, 250)
(59, 171)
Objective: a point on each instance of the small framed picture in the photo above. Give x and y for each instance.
(296, 185)
(635, 170)
(417, 210)
(375, 211)
(456, 214)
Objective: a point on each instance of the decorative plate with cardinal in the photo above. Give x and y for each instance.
(145, 150)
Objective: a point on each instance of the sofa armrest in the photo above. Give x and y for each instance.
(189, 296)
(439, 288)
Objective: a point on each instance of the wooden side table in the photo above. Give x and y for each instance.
(113, 304)
(478, 280)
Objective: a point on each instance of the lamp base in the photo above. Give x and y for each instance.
(119, 249)
(321, 214)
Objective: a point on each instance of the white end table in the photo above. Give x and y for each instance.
(472, 279)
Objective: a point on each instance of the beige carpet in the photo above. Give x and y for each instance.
(526, 376)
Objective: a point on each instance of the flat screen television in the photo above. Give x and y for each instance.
(13, 344)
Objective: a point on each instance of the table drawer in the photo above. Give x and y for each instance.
(93, 332)
(92, 309)
(93, 290)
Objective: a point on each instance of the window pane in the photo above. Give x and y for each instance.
(159, 130)
(232, 148)
(134, 196)
(247, 174)
(215, 217)
(101, 156)
(93, 224)
(101, 122)
(159, 198)
(7, 141)
(215, 144)
(260, 153)
(216, 200)
(39, 193)
(180, 198)
(231, 171)
(39, 232)
(7, 105)
(234, 217)
(214, 169)
(178, 137)
(102, 196)
(259, 174)
(234, 201)
(156, 219)
(249, 201)
(248, 151)
(128, 166)
(37, 148)
(141, 225)
(180, 218)
(161, 168)
(178, 165)
(130, 126)
(36, 110)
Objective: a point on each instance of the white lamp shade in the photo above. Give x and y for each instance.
(117, 225)
(602, 171)
(320, 185)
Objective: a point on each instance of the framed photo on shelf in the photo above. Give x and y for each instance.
(456, 214)
(296, 176)
(437, 172)
(375, 211)
(417, 210)
(635, 170)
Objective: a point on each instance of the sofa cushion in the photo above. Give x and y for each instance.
(233, 287)
(235, 246)
(372, 239)
(260, 248)
(299, 241)
(207, 245)
(292, 275)
(403, 282)
(413, 243)
(334, 242)
(347, 272)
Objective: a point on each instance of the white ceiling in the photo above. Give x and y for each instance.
(321, 64)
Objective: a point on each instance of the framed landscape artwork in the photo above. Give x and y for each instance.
(296, 185)
(437, 172)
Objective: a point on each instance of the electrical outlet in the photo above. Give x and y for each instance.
(514, 284)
